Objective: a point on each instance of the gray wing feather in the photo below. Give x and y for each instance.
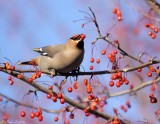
(52, 50)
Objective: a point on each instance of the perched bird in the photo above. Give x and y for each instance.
(61, 58)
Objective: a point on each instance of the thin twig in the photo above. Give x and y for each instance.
(95, 22)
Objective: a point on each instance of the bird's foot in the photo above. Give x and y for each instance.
(75, 71)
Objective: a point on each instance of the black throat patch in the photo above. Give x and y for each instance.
(80, 45)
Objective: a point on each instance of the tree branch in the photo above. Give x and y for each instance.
(71, 102)
(29, 106)
(143, 13)
(128, 69)
(135, 89)
(155, 6)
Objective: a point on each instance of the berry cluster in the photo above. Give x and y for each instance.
(123, 108)
(88, 87)
(10, 78)
(34, 76)
(121, 80)
(153, 30)
(118, 13)
(92, 61)
(37, 114)
(8, 66)
(112, 56)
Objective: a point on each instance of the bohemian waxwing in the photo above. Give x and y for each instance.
(61, 58)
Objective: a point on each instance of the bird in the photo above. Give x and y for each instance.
(61, 58)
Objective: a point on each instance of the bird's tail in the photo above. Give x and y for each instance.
(32, 62)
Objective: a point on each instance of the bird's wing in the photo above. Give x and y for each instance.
(49, 50)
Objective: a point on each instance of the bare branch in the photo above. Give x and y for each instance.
(28, 106)
(95, 22)
(95, 72)
(135, 89)
(143, 13)
(68, 100)
(155, 6)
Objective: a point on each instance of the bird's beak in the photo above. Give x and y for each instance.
(81, 37)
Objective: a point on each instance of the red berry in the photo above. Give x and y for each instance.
(40, 118)
(118, 84)
(153, 36)
(150, 33)
(12, 68)
(89, 90)
(111, 83)
(122, 107)
(30, 80)
(56, 119)
(62, 100)
(49, 96)
(32, 115)
(139, 70)
(71, 116)
(118, 12)
(128, 104)
(19, 76)
(59, 95)
(23, 113)
(126, 82)
(37, 114)
(85, 110)
(98, 61)
(131, 86)
(85, 82)
(149, 74)
(103, 52)
(113, 76)
(96, 99)
(114, 11)
(91, 97)
(151, 68)
(54, 99)
(119, 74)
(115, 51)
(116, 41)
(156, 30)
(70, 89)
(82, 25)
(75, 85)
(1, 99)
(92, 60)
(50, 87)
(11, 82)
(153, 100)
(10, 77)
(83, 36)
(110, 56)
(119, 18)
(151, 95)
(87, 114)
(91, 67)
